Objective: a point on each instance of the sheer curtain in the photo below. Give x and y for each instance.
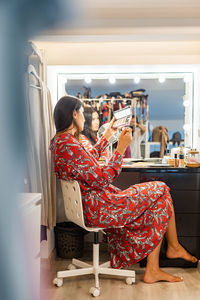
(40, 130)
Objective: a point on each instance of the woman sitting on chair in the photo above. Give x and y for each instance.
(145, 210)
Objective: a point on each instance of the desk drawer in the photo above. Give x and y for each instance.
(188, 225)
(186, 201)
(192, 244)
(176, 181)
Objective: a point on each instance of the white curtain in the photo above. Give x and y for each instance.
(40, 130)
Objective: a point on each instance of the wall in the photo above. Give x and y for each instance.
(124, 53)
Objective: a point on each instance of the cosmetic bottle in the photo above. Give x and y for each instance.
(175, 160)
(181, 162)
(167, 151)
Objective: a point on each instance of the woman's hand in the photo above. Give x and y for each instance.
(110, 131)
(125, 139)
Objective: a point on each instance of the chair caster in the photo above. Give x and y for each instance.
(71, 267)
(130, 280)
(58, 282)
(95, 291)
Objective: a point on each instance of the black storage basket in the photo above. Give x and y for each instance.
(69, 240)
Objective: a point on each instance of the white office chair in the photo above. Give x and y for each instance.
(74, 212)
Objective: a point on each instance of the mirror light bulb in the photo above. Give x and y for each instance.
(112, 80)
(186, 79)
(186, 103)
(88, 79)
(186, 127)
(137, 79)
(161, 79)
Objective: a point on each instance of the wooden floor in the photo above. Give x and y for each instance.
(77, 288)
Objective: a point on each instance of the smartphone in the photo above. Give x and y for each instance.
(123, 117)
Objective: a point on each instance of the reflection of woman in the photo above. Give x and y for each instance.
(91, 125)
(145, 210)
(89, 134)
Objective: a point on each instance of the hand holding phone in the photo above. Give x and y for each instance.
(125, 139)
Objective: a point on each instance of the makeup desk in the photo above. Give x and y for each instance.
(184, 186)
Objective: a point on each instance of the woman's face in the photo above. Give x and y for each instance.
(79, 119)
(95, 121)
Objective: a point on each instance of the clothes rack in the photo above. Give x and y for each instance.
(109, 99)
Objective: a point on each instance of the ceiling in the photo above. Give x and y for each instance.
(128, 20)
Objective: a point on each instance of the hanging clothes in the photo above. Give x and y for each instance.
(104, 110)
(160, 134)
(118, 105)
(39, 160)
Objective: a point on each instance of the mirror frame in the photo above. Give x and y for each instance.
(57, 76)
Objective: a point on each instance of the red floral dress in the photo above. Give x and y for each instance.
(106, 154)
(143, 209)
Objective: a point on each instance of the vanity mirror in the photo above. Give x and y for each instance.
(169, 103)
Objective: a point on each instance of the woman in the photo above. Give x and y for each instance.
(145, 210)
(89, 134)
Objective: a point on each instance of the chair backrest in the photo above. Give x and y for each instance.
(73, 203)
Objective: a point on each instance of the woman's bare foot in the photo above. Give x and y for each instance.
(180, 252)
(152, 276)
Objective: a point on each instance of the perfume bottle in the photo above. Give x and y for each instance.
(176, 160)
(167, 150)
(181, 163)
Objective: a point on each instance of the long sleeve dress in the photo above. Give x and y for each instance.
(88, 146)
(143, 209)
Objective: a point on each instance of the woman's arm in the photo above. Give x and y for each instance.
(99, 147)
(80, 165)
(105, 154)
(76, 163)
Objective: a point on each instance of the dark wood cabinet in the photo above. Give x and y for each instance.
(184, 186)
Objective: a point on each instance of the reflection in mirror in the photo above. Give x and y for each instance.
(169, 102)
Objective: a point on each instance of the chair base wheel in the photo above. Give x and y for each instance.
(130, 280)
(71, 267)
(95, 291)
(58, 282)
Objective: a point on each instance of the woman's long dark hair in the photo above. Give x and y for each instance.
(87, 131)
(63, 112)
